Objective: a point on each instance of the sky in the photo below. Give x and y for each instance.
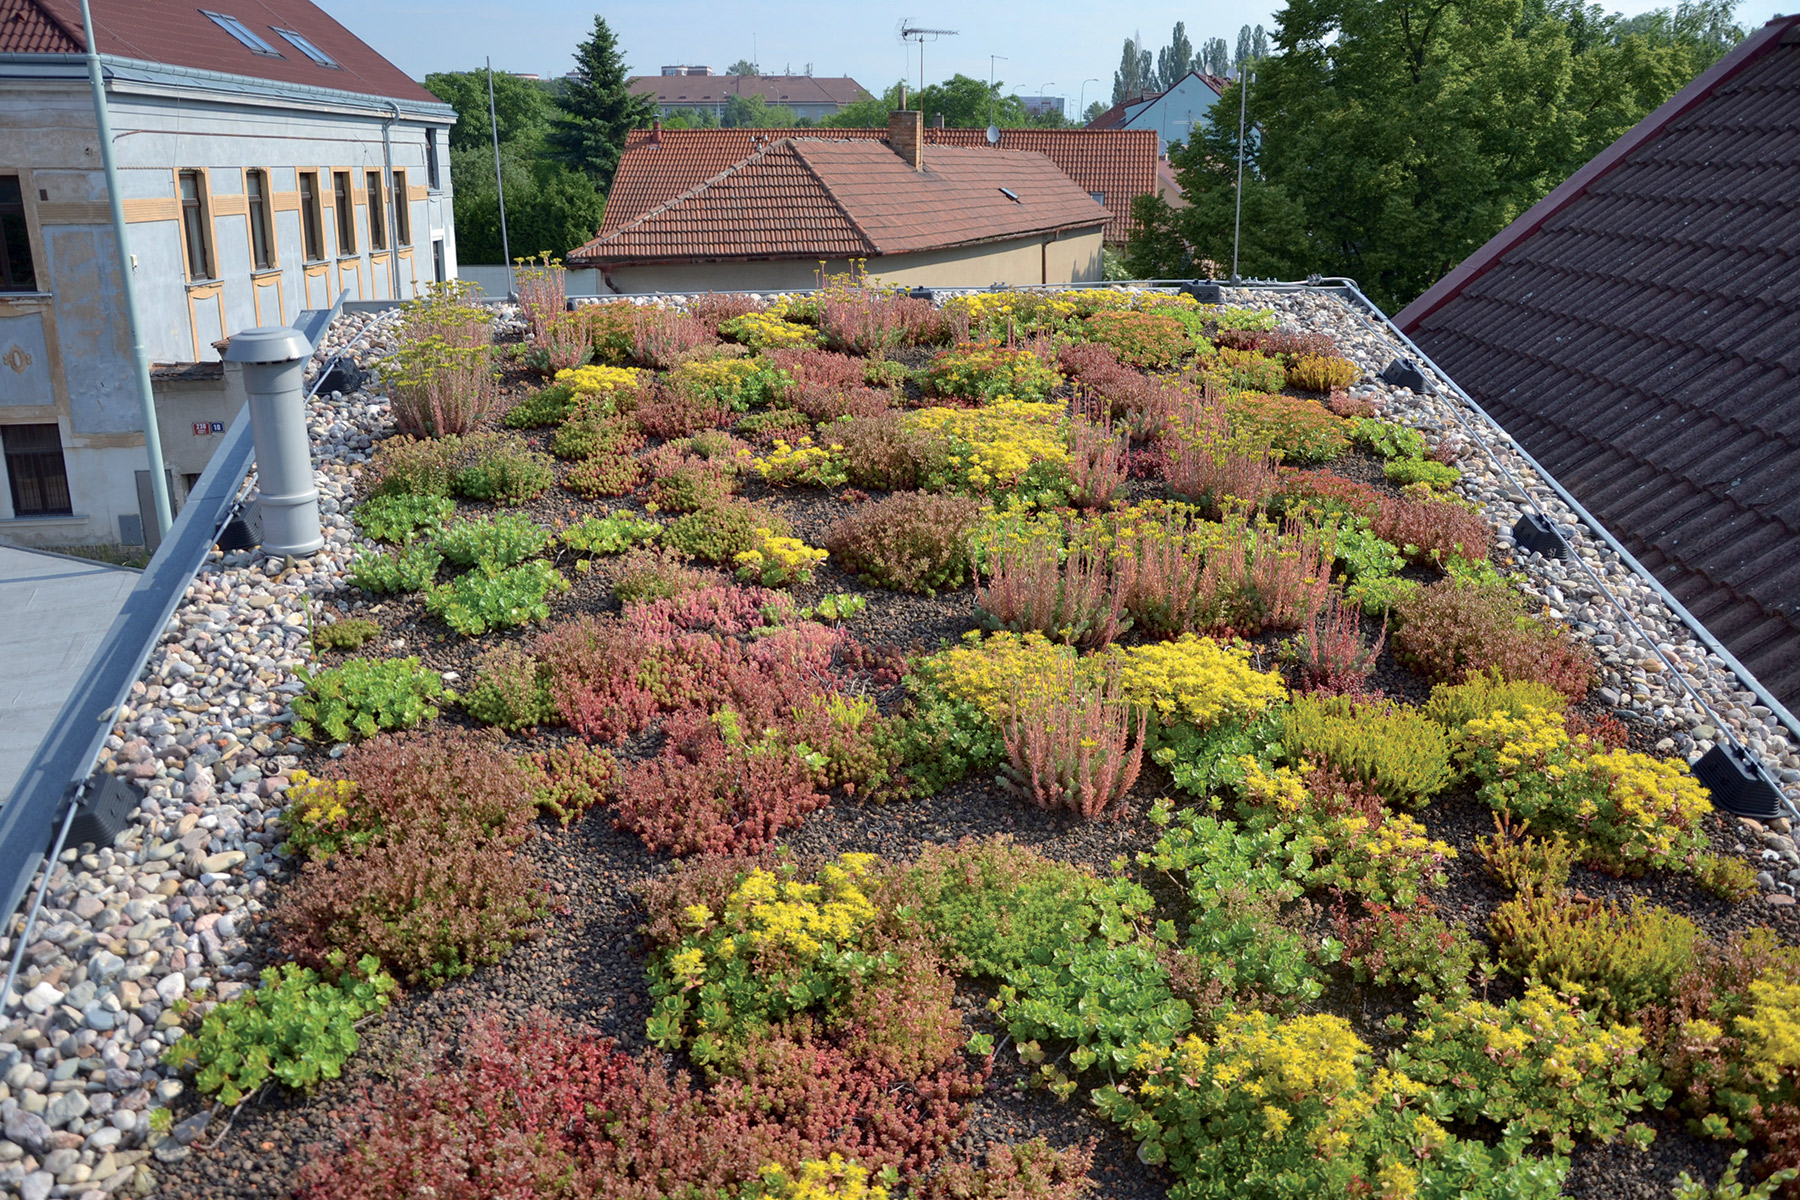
(1048, 46)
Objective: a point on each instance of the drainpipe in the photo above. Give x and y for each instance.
(393, 227)
(140, 353)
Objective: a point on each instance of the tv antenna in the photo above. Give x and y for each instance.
(912, 33)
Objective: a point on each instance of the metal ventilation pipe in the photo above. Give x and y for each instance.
(274, 361)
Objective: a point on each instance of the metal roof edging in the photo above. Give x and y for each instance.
(65, 759)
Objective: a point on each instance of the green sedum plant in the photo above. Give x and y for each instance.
(362, 697)
(295, 1028)
(1397, 751)
(398, 517)
(609, 533)
(478, 601)
(491, 543)
(410, 568)
(348, 634)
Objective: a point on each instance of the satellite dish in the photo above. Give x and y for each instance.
(993, 135)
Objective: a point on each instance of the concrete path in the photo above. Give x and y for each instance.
(54, 611)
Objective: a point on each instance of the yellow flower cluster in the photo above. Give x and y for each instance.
(597, 381)
(778, 913)
(764, 330)
(1771, 1029)
(722, 376)
(777, 561)
(1195, 679)
(799, 462)
(318, 803)
(1283, 788)
(833, 1179)
(1654, 794)
(1537, 738)
(993, 445)
(1547, 1027)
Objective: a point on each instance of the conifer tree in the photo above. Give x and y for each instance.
(598, 110)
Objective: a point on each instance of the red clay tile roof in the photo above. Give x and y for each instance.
(776, 89)
(1119, 164)
(177, 33)
(848, 198)
(1636, 332)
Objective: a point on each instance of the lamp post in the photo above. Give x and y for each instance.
(992, 59)
(1081, 102)
(1044, 90)
(1244, 80)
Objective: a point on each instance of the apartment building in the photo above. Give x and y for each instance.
(270, 162)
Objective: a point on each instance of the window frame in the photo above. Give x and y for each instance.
(305, 46)
(402, 213)
(376, 199)
(37, 458)
(266, 256)
(312, 218)
(343, 204)
(15, 229)
(196, 221)
(245, 36)
(432, 179)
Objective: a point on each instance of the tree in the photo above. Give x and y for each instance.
(1396, 136)
(691, 118)
(523, 106)
(1215, 57)
(871, 113)
(967, 103)
(1251, 43)
(1136, 73)
(599, 111)
(754, 112)
(742, 66)
(1175, 59)
(1094, 112)
(549, 206)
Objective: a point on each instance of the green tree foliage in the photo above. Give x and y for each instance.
(549, 206)
(742, 66)
(1214, 57)
(523, 106)
(1136, 73)
(1394, 137)
(754, 112)
(1175, 59)
(598, 110)
(965, 103)
(691, 118)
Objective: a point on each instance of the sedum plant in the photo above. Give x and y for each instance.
(609, 533)
(409, 568)
(399, 516)
(361, 697)
(478, 601)
(491, 543)
(295, 1028)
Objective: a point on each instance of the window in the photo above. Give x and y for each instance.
(197, 224)
(346, 212)
(242, 33)
(312, 216)
(305, 47)
(1099, 198)
(431, 160)
(34, 466)
(402, 215)
(17, 274)
(437, 260)
(262, 239)
(377, 227)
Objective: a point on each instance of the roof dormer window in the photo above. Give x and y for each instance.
(242, 33)
(307, 48)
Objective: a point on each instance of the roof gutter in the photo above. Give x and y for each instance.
(1571, 189)
(1053, 232)
(1699, 630)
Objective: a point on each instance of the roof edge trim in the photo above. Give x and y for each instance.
(1571, 189)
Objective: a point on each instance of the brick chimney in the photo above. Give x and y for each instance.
(906, 137)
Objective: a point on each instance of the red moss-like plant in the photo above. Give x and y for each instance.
(662, 338)
(671, 412)
(715, 789)
(1032, 1170)
(869, 322)
(1327, 492)
(1453, 630)
(1432, 530)
(1345, 405)
(543, 1111)
(1209, 466)
(1098, 461)
(1075, 747)
(594, 678)
(1079, 601)
(715, 307)
(825, 369)
(1332, 655)
(1289, 344)
(823, 403)
(605, 475)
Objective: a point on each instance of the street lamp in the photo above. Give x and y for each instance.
(1044, 89)
(1244, 80)
(1081, 104)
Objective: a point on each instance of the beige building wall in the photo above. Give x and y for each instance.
(1070, 258)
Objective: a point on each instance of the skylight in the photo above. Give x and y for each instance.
(307, 48)
(241, 32)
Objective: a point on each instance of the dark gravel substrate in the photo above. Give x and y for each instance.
(588, 965)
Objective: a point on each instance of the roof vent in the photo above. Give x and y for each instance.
(1738, 782)
(1535, 533)
(1011, 195)
(1203, 292)
(1403, 373)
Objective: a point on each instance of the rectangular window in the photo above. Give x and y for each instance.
(377, 227)
(34, 467)
(312, 216)
(402, 215)
(262, 235)
(346, 212)
(242, 32)
(196, 222)
(431, 160)
(305, 47)
(17, 273)
(437, 260)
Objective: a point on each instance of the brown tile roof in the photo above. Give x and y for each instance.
(849, 197)
(177, 33)
(1119, 164)
(776, 89)
(1636, 332)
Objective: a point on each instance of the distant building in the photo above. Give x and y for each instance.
(912, 212)
(697, 88)
(1037, 106)
(268, 164)
(1113, 167)
(1174, 114)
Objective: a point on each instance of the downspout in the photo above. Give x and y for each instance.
(393, 238)
(140, 353)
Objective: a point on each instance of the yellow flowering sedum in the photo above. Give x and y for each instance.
(800, 461)
(991, 446)
(776, 561)
(763, 330)
(802, 917)
(1771, 1030)
(834, 1179)
(598, 381)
